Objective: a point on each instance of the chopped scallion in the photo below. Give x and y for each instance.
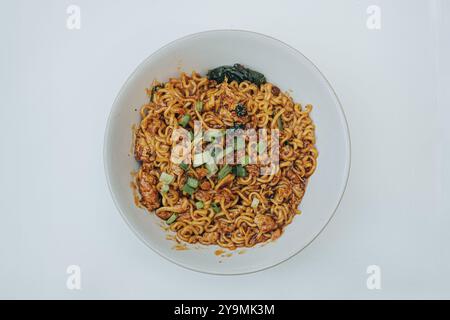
(215, 207)
(199, 106)
(164, 188)
(255, 203)
(172, 218)
(185, 120)
(239, 171)
(199, 204)
(184, 166)
(226, 169)
(188, 189)
(192, 182)
(166, 178)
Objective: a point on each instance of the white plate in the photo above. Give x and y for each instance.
(283, 66)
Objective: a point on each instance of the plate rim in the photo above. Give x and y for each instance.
(106, 148)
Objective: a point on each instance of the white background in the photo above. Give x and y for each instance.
(56, 90)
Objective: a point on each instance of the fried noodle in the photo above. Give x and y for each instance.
(238, 223)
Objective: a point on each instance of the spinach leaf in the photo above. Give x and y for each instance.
(237, 73)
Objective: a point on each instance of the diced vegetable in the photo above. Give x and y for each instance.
(172, 218)
(184, 166)
(166, 178)
(199, 204)
(199, 106)
(191, 135)
(280, 123)
(255, 203)
(298, 212)
(188, 189)
(215, 207)
(226, 169)
(192, 182)
(239, 171)
(164, 188)
(185, 120)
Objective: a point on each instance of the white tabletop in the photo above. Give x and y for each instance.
(57, 86)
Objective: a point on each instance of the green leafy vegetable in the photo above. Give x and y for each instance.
(238, 73)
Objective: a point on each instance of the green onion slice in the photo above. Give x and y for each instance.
(255, 203)
(185, 120)
(172, 218)
(184, 166)
(192, 182)
(164, 188)
(215, 207)
(199, 106)
(188, 189)
(239, 171)
(166, 178)
(226, 169)
(199, 204)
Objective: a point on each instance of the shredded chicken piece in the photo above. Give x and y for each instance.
(149, 193)
(141, 150)
(203, 195)
(265, 223)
